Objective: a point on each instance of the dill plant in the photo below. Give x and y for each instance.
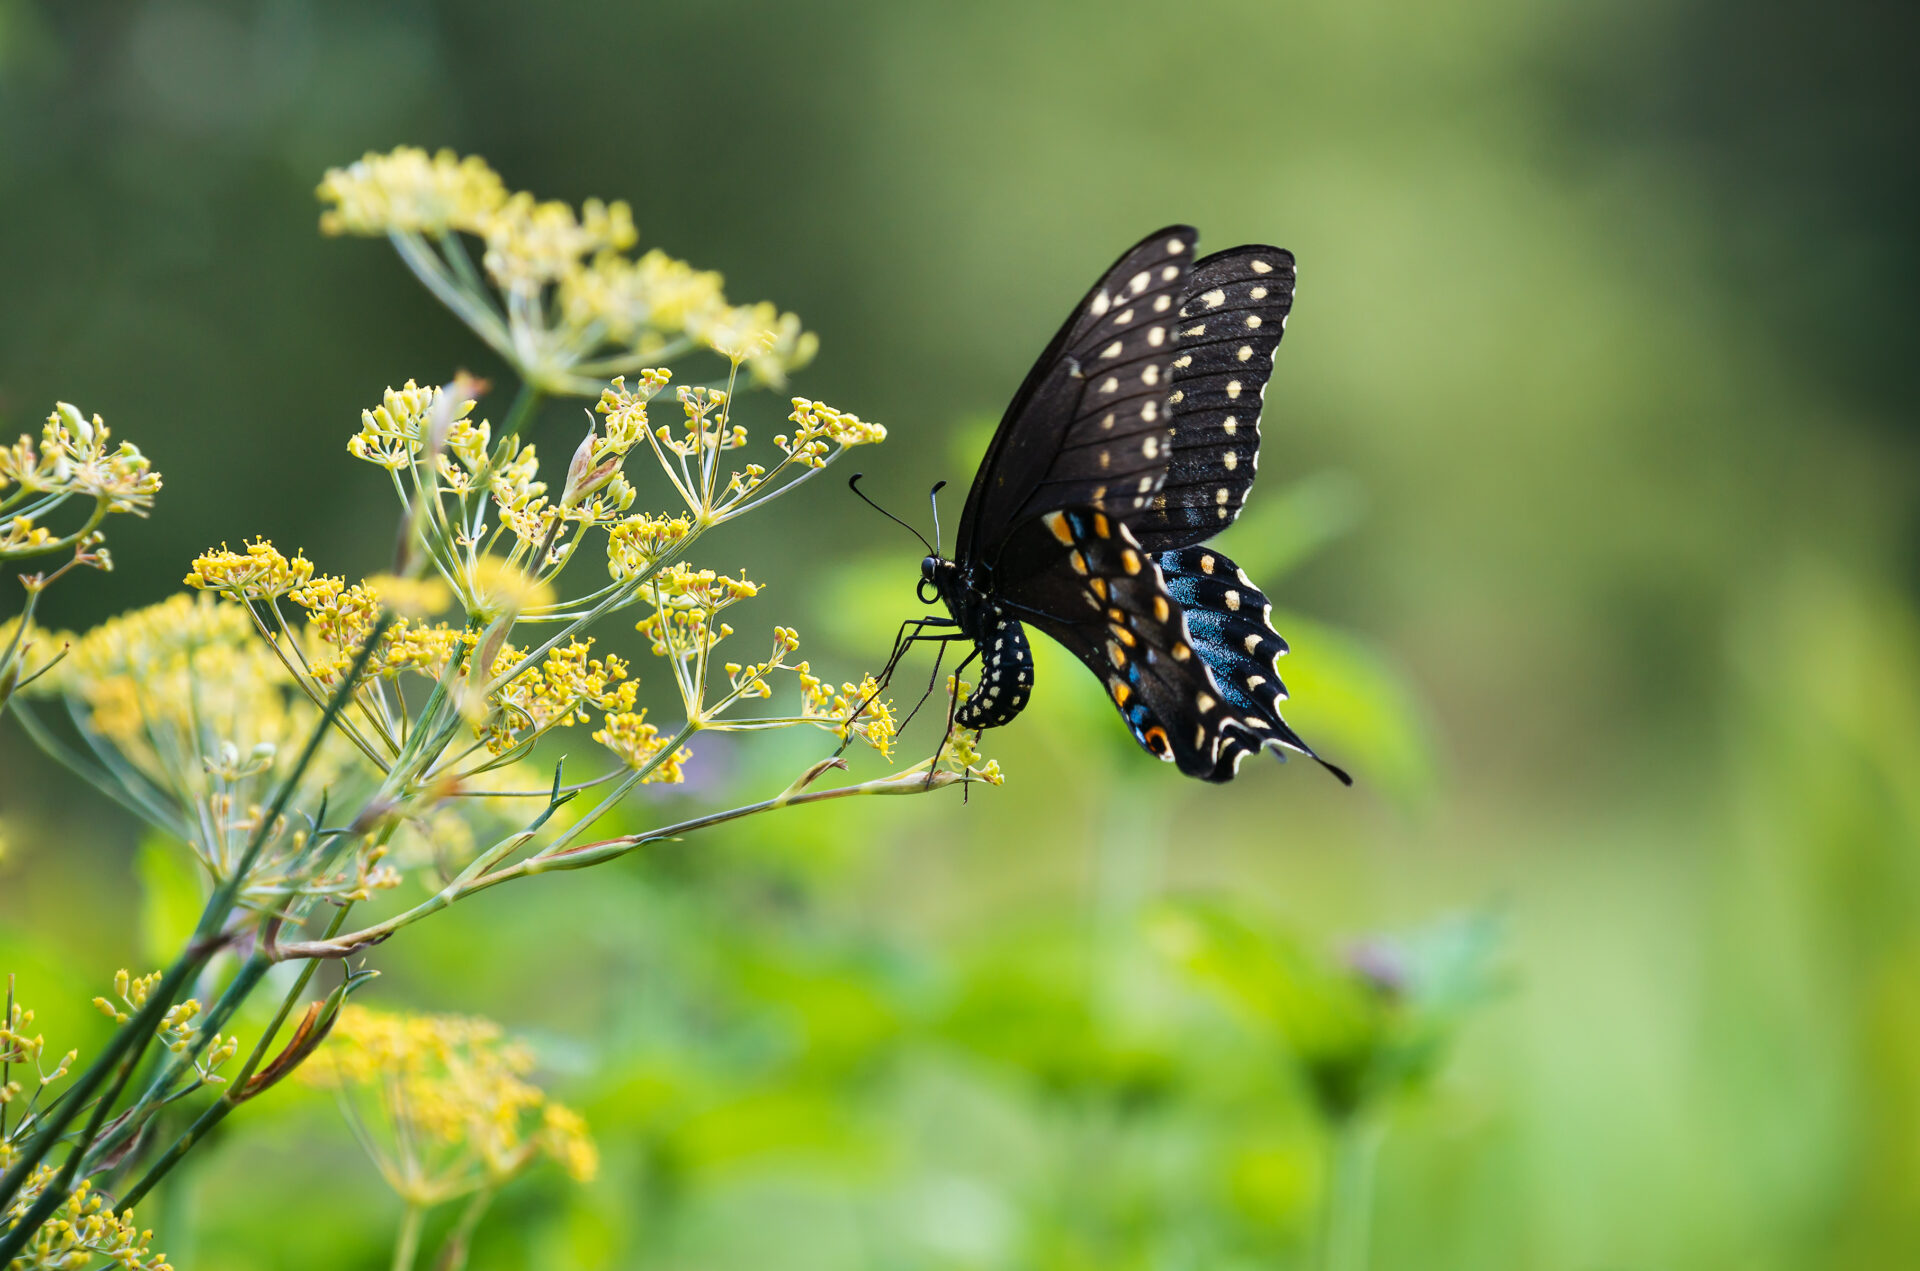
(316, 742)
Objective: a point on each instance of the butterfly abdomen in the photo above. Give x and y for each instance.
(1006, 674)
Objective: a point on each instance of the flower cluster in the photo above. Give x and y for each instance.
(410, 192)
(455, 1111)
(187, 694)
(312, 739)
(75, 458)
(176, 1031)
(638, 543)
(259, 573)
(559, 691)
(168, 684)
(82, 1231)
(640, 746)
(567, 307)
(23, 1050)
(853, 710)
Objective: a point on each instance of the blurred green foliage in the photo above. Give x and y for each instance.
(1589, 495)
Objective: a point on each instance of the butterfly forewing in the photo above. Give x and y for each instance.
(1090, 425)
(1229, 323)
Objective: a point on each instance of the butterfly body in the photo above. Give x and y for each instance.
(1133, 440)
(999, 642)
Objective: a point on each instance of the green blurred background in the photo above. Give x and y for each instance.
(1588, 497)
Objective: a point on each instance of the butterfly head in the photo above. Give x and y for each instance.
(937, 574)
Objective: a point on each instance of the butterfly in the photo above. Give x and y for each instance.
(1133, 440)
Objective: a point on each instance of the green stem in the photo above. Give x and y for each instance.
(459, 1243)
(1351, 1149)
(915, 780)
(138, 1032)
(525, 402)
(158, 1090)
(229, 1098)
(407, 1247)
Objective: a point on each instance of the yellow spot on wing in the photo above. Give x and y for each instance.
(1057, 522)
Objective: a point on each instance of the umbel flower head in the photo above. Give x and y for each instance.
(83, 1232)
(409, 191)
(555, 293)
(444, 1105)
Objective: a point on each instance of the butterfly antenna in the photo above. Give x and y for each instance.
(933, 497)
(853, 484)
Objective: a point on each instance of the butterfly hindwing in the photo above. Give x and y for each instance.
(1104, 598)
(1090, 425)
(1230, 625)
(1230, 321)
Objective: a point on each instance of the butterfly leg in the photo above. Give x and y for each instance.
(933, 680)
(912, 631)
(953, 708)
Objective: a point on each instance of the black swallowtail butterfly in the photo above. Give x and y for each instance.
(1133, 440)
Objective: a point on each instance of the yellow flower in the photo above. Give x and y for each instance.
(153, 680)
(73, 459)
(409, 192)
(457, 1112)
(530, 244)
(636, 742)
(396, 430)
(558, 692)
(820, 427)
(771, 343)
(962, 755)
(633, 545)
(260, 573)
(411, 597)
(500, 588)
(81, 1232)
(856, 710)
(631, 298)
(177, 1031)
